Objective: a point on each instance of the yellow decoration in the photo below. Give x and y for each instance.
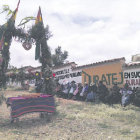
(47, 78)
(5, 43)
(36, 74)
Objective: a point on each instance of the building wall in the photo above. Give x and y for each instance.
(132, 77)
(109, 73)
(67, 74)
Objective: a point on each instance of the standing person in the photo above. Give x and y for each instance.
(126, 93)
(38, 82)
(58, 89)
(72, 89)
(102, 91)
(66, 89)
(48, 86)
(84, 92)
(38, 85)
(116, 94)
(136, 100)
(95, 91)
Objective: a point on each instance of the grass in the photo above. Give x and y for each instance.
(73, 120)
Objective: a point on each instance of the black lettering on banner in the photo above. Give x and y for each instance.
(65, 71)
(79, 73)
(62, 72)
(132, 74)
(67, 75)
(71, 75)
(127, 75)
(76, 74)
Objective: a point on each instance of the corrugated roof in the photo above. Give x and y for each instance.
(99, 63)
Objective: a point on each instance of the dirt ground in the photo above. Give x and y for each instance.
(73, 120)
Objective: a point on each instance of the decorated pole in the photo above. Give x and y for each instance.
(38, 34)
(6, 34)
(42, 53)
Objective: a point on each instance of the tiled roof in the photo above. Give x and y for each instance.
(99, 63)
(64, 65)
(26, 67)
(132, 65)
(39, 67)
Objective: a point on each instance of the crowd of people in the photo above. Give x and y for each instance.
(92, 92)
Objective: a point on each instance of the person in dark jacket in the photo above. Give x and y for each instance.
(136, 100)
(38, 85)
(102, 91)
(91, 92)
(114, 96)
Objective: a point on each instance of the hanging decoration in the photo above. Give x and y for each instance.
(27, 45)
(38, 35)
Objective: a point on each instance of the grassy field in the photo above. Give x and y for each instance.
(73, 120)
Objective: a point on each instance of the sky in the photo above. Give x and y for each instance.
(90, 30)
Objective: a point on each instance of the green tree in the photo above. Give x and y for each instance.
(59, 57)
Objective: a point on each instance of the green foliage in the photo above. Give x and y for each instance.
(41, 35)
(20, 34)
(26, 20)
(7, 10)
(7, 32)
(59, 57)
(38, 32)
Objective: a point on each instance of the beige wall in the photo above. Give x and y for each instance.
(109, 73)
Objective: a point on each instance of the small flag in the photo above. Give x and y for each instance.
(39, 16)
(15, 12)
(38, 49)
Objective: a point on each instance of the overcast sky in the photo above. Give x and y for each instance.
(90, 30)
